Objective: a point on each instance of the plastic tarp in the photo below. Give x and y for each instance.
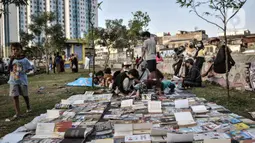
(81, 82)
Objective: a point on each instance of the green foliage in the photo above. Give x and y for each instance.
(53, 36)
(136, 25)
(25, 38)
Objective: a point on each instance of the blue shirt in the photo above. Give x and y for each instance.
(166, 83)
(18, 74)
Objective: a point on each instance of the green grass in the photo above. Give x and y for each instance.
(54, 91)
(241, 102)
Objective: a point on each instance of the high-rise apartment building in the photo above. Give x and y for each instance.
(73, 15)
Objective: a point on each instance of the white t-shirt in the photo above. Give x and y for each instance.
(150, 49)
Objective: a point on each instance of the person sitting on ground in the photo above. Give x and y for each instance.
(124, 82)
(193, 78)
(107, 79)
(98, 77)
(125, 68)
(167, 86)
(143, 71)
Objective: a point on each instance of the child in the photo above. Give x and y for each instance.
(19, 66)
(107, 79)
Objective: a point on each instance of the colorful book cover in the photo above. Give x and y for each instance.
(63, 126)
(241, 126)
(240, 135)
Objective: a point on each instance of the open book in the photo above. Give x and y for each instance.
(199, 109)
(45, 130)
(122, 130)
(126, 103)
(154, 107)
(184, 119)
(142, 128)
(76, 135)
(181, 103)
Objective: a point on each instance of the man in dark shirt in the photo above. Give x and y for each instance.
(193, 79)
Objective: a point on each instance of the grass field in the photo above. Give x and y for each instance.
(54, 90)
(241, 102)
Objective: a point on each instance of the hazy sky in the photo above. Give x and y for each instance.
(167, 16)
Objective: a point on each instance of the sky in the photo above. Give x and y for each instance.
(167, 16)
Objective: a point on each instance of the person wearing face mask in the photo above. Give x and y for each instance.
(200, 55)
(125, 81)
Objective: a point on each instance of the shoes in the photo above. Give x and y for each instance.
(29, 110)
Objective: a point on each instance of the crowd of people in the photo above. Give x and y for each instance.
(189, 60)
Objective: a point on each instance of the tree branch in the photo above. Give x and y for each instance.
(236, 11)
(206, 19)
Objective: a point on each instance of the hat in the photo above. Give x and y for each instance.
(127, 64)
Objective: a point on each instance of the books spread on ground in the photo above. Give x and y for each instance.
(63, 126)
(89, 93)
(217, 141)
(52, 114)
(158, 139)
(146, 138)
(76, 135)
(154, 107)
(104, 141)
(146, 97)
(184, 119)
(142, 128)
(77, 102)
(14, 137)
(45, 130)
(181, 103)
(175, 138)
(122, 130)
(199, 109)
(252, 114)
(126, 103)
(65, 102)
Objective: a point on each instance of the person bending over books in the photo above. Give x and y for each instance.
(98, 77)
(124, 82)
(107, 78)
(193, 78)
(155, 80)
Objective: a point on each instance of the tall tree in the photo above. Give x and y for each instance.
(113, 36)
(219, 9)
(136, 25)
(50, 37)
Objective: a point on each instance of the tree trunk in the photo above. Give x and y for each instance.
(226, 60)
(107, 58)
(47, 61)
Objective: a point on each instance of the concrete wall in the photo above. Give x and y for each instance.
(237, 75)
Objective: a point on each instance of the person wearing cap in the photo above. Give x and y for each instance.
(149, 51)
(124, 81)
(193, 78)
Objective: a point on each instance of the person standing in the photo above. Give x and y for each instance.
(19, 67)
(159, 58)
(58, 60)
(200, 55)
(149, 51)
(74, 63)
